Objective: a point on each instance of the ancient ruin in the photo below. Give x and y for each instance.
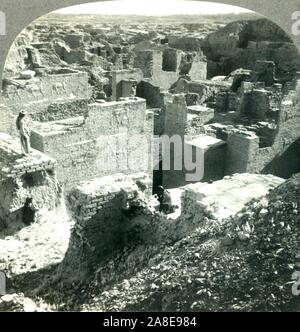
(99, 99)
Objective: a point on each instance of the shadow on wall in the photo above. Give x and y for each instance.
(286, 164)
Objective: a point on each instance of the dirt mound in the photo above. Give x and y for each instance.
(244, 265)
(18, 302)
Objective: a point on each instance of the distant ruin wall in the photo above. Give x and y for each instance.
(121, 75)
(241, 43)
(162, 67)
(175, 115)
(245, 155)
(153, 95)
(185, 43)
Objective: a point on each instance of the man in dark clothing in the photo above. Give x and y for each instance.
(165, 201)
(29, 212)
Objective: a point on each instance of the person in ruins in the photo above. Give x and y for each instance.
(29, 212)
(23, 128)
(165, 201)
(133, 88)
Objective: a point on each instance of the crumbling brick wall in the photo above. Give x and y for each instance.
(162, 68)
(39, 93)
(23, 178)
(101, 228)
(175, 115)
(113, 137)
(144, 61)
(153, 94)
(120, 75)
(255, 159)
(62, 110)
(239, 44)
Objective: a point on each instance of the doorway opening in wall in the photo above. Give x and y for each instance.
(169, 60)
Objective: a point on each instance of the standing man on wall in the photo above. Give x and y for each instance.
(23, 128)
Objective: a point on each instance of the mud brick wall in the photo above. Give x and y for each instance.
(213, 166)
(113, 138)
(126, 74)
(40, 92)
(14, 164)
(256, 104)
(185, 43)
(207, 89)
(226, 102)
(62, 110)
(199, 68)
(150, 120)
(176, 116)
(40, 185)
(28, 165)
(104, 235)
(144, 61)
(236, 46)
(214, 163)
(282, 158)
(204, 115)
(159, 120)
(100, 230)
(162, 75)
(22, 178)
(127, 88)
(241, 148)
(116, 117)
(163, 79)
(153, 95)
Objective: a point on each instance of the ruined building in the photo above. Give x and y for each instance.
(96, 96)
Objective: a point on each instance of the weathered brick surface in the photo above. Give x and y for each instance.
(23, 177)
(12, 163)
(40, 92)
(100, 229)
(245, 155)
(152, 64)
(113, 137)
(120, 75)
(176, 116)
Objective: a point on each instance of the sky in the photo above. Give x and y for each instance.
(152, 8)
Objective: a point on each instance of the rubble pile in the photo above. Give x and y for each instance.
(245, 264)
(85, 101)
(17, 302)
(239, 43)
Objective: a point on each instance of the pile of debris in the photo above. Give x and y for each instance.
(18, 302)
(245, 263)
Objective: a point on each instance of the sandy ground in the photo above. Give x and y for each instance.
(37, 246)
